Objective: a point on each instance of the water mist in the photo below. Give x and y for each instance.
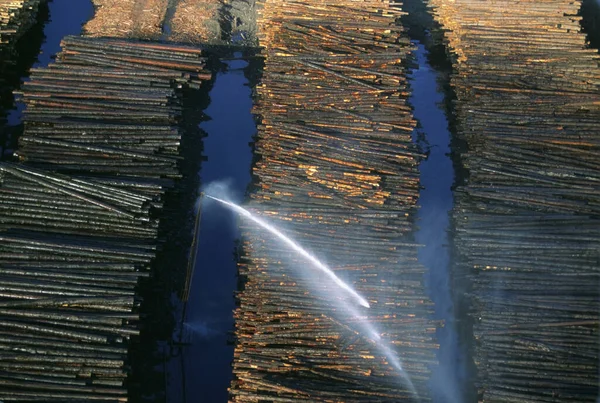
(366, 329)
(297, 248)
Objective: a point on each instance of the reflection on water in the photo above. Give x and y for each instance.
(436, 200)
(211, 302)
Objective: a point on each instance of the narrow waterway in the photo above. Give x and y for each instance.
(436, 201)
(209, 316)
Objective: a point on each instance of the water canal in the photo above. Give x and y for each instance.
(209, 318)
(435, 204)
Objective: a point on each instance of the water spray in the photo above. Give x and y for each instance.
(368, 331)
(297, 248)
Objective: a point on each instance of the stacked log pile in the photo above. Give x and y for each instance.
(140, 19)
(67, 293)
(108, 107)
(337, 169)
(78, 216)
(196, 21)
(527, 217)
(189, 21)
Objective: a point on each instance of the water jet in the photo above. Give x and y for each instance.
(366, 329)
(296, 247)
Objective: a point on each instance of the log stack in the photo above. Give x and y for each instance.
(189, 21)
(108, 107)
(140, 19)
(196, 21)
(68, 304)
(527, 215)
(79, 216)
(337, 170)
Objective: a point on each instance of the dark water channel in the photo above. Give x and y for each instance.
(435, 202)
(208, 321)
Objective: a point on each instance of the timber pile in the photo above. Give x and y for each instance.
(335, 166)
(196, 21)
(188, 21)
(109, 107)
(78, 218)
(527, 218)
(140, 19)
